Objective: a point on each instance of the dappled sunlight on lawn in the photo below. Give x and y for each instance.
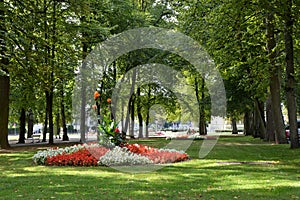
(247, 172)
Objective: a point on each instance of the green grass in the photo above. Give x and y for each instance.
(276, 176)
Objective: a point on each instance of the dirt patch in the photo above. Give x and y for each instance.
(248, 163)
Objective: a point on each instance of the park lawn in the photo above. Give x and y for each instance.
(236, 168)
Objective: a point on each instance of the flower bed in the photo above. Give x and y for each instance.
(158, 156)
(95, 154)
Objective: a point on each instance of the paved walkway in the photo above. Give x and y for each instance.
(28, 142)
(73, 138)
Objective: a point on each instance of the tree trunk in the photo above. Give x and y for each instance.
(275, 70)
(30, 124)
(139, 112)
(131, 104)
(50, 102)
(201, 122)
(132, 118)
(4, 111)
(129, 108)
(147, 124)
(4, 86)
(260, 120)
(234, 126)
(248, 123)
(57, 126)
(63, 119)
(82, 108)
(270, 132)
(46, 120)
(148, 112)
(202, 110)
(198, 102)
(124, 122)
(51, 92)
(47, 49)
(64, 125)
(83, 84)
(290, 76)
(22, 126)
(127, 119)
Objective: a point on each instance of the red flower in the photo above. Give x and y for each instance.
(89, 156)
(156, 155)
(117, 130)
(83, 157)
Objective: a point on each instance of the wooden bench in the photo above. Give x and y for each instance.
(35, 136)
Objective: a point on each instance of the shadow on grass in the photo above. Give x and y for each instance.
(194, 179)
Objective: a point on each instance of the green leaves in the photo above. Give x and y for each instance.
(109, 131)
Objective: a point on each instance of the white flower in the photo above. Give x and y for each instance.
(40, 156)
(121, 156)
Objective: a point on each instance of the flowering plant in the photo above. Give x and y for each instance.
(108, 128)
(83, 157)
(95, 154)
(110, 134)
(158, 156)
(41, 156)
(122, 156)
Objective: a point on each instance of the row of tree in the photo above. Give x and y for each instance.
(251, 43)
(42, 43)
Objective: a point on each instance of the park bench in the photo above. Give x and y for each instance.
(35, 136)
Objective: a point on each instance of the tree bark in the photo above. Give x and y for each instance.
(148, 112)
(63, 118)
(201, 123)
(130, 108)
(126, 122)
(45, 130)
(132, 118)
(234, 126)
(4, 111)
(147, 124)
(248, 123)
(260, 120)
(22, 126)
(275, 70)
(83, 83)
(82, 108)
(57, 125)
(139, 112)
(50, 102)
(290, 76)
(30, 123)
(4, 85)
(270, 132)
(202, 110)
(52, 65)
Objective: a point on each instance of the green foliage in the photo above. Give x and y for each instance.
(109, 132)
(233, 34)
(45, 41)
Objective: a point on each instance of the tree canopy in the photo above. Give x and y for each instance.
(43, 44)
